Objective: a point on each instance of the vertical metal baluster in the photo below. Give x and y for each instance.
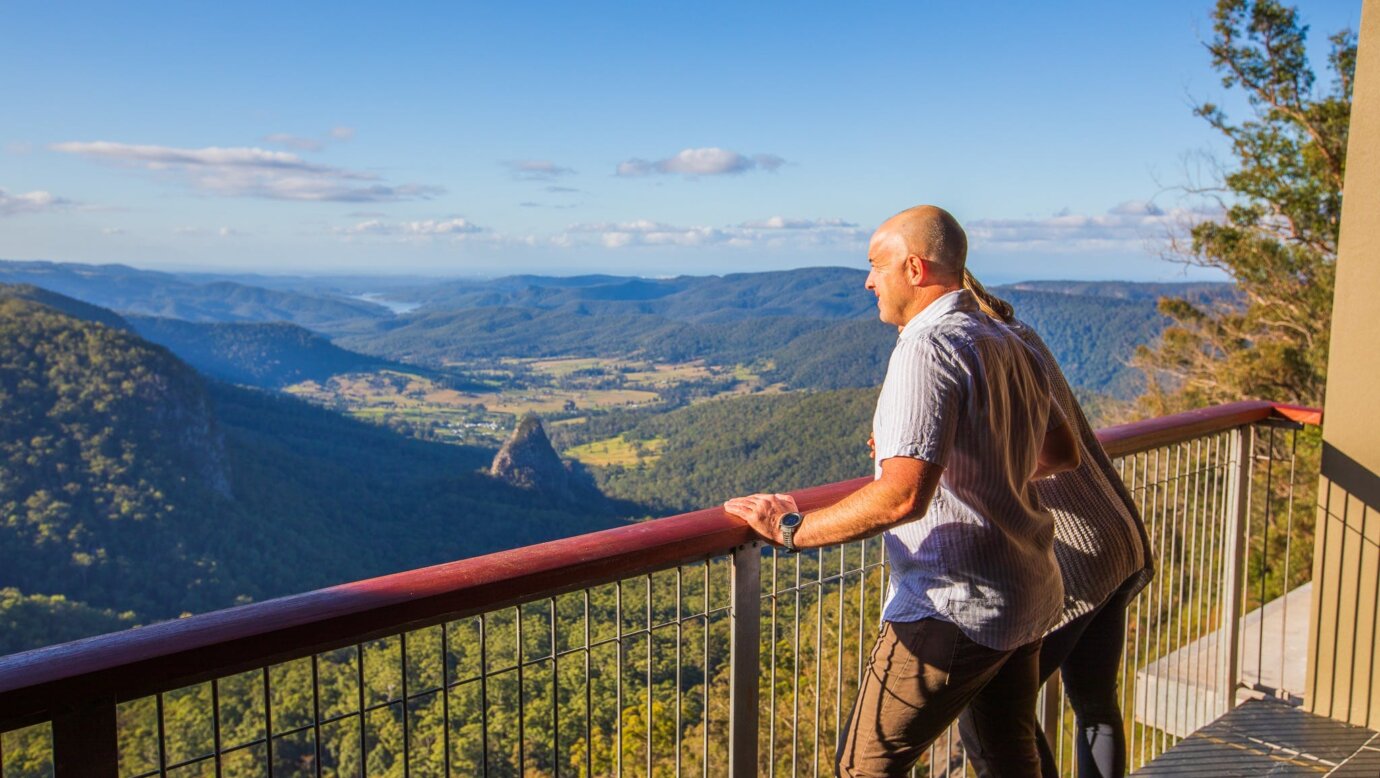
(484, 690)
(862, 608)
(163, 739)
(1265, 559)
(1127, 681)
(1288, 553)
(555, 694)
(1130, 692)
(771, 689)
(268, 722)
(679, 635)
(1196, 533)
(1063, 703)
(1163, 594)
(445, 697)
(215, 729)
(1140, 464)
(707, 675)
(406, 730)
(838, 670)
(1212, 575)
(315, 714)
(819, 653)
(522, 697)
(795, 676)
(1164, 480)
(618, 671)
(649, 675)
(359, 691)
(1155, 601)
(1178, 545)
(948, 748)
(589, 697)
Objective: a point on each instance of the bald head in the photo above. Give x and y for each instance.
(929, 232)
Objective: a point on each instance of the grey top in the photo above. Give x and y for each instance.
(964, 392)
(1099, 537)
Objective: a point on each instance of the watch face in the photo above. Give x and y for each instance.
(792, 520)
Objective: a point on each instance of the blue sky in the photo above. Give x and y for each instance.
(653, 139)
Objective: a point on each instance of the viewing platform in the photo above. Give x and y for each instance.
(674, 646)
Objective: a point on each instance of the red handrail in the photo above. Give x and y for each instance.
(172, 654)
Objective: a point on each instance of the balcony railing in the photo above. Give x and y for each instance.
(672, 647)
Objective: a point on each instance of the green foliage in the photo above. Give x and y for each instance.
(724, 448)
(1278, 236)
(36, 619)
(129, 484)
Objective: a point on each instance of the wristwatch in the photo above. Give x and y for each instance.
(789, 524)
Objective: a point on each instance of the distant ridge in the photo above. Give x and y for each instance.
(152, 293)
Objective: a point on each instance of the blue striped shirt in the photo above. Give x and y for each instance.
(963, 392)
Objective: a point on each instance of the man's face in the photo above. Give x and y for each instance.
(887, 278)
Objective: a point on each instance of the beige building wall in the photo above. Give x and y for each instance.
(1344, 638)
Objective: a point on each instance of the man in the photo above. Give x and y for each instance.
(964, 422)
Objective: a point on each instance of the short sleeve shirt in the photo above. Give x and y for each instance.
(964, 392)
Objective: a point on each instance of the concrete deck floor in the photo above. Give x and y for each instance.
(1266, 737)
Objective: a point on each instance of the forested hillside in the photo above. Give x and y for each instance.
(130, 484)
(718, 449)
(271, 355)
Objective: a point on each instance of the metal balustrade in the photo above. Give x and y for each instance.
(673, 647)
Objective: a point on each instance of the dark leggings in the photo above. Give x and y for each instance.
(1088, 650)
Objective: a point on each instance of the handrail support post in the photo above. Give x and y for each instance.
(86, 742)
(1233, 567)
(745, 660)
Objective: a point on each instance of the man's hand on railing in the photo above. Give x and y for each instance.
(762, 512)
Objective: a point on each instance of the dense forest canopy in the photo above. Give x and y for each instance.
(131, 485)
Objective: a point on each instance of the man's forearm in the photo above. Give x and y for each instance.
(873, 509)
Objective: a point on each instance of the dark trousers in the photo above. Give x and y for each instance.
(1088, 650)
(920, 676)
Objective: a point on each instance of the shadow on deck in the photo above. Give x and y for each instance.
(1264, 737)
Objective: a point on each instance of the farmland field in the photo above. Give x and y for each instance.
(559, 390)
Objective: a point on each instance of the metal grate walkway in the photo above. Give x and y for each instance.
(1264, 737)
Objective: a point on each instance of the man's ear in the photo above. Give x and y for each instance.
(916, 270)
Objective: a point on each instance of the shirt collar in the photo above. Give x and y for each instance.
(957, 301)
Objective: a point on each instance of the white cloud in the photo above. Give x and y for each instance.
(112, 230)
(294, 142)
(199, 232)
(301, 143)
(536, 169)
(1126, 226)
(782, 223)
(773, 232)
(426, 228)
(250, 172)
(30, 202)
(711, 161)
